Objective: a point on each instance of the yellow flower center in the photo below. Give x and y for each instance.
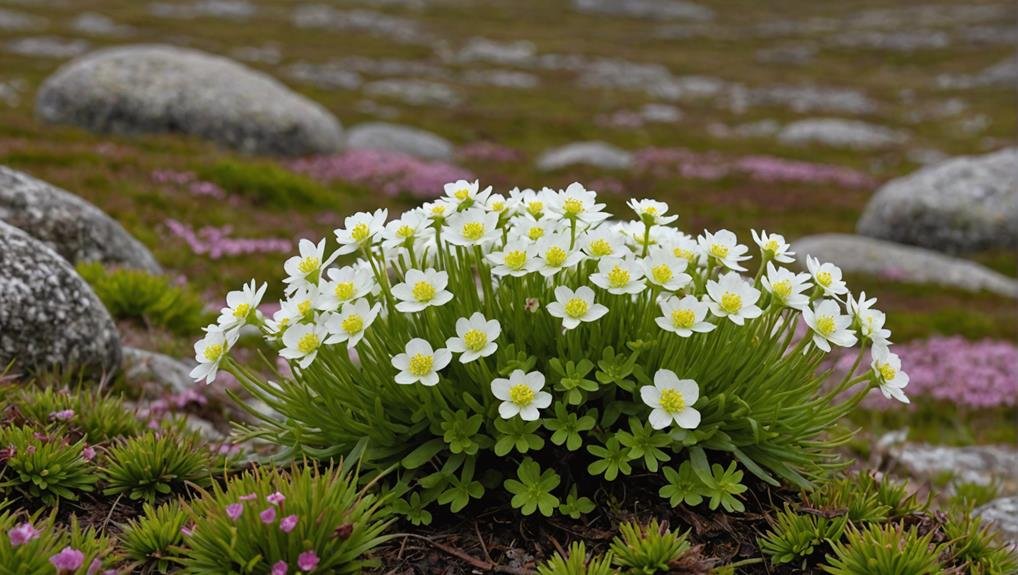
(515, 259)
(555, 256)
(423, 291)
(405, 231)
(498, 206)
(420, 364)
(304, 307)
(672, 401)
(308, 343)
(309, 265)
(473, 231)
(825, 325)
(521, 394)
(475, 340)
(683, 318)
(601, 248)
(344, 290)
(438, 210)
(771, 245)
(535, 208)
(618, 277)
(572, 206)
(719, 251)
(824, 278)
(577, 307)
(353, 323)
(887, 372)
(782, 289)
(462, 194)
(283, 323)
(242, 310)
(731, 302)
(214, 351)
(661, 273)
(536, 233)
(360, 232)
(684, 254)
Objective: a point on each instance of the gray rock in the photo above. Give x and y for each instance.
(839, 133)
(501, 79)
(49, 317)
(597, 154)
(896, 41)
(72, 227)
(328, 76)
(95, 24)
(963, 204)
(982, 464)
(1003, 74)
(396, 138)
(155, 88)
(155, 373)
(859, 254)
(807, 98)
(519, 53)
(11, 90)
(47, 47)
(651, 9)
(227, 9)
(12, 21)
(414, 92)
(268, 53)
(394, 28)
(1003, 514)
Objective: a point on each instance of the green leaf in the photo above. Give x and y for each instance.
(423, 453)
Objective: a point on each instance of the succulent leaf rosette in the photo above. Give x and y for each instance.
(532, 344)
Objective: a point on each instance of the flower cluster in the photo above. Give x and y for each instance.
(392, 172)
(478, 317)
(217, 243)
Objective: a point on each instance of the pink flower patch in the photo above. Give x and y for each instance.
(307, 561)
(69, 559)
(268, 516)
(288, 523)
(22, 534)
(234, 510)
(279, 568)
(276, 498)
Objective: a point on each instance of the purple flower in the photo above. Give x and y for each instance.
(88, 453)
(392, 172)
(94, 566)
(279, 568)
(22, 534)
(234, 510)
(62, 415)
(307, 561)
(248, 497)
(217, 243)
(69, 559)
(288, 523)
(276, 498)
(187, 530)
(268, 516)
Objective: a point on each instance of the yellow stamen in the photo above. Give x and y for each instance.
(684, 254)
(309, 265)
(683, 318)
(242, 310)
(462, 194)
(535, 233)
(405, 231)
(475, 340)
(618, 277)
(782, 289)
(824, 278)
(344, 291)
(360, 232)
(473, 231)
(826, 325)
(353, 323)
(601, 248)
(420, 364)
(572, 206)
(304, 307)
(521, 394)
(731, 302)
(555, 256)
(423, 291)
(719, 251)
(887, 372)
(771, 246)
(516, 259)
(577, 307)
(535, 208)
(672, 401)
(214, 351)
(308, 343)
(662, 273)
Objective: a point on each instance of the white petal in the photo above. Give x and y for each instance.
(659, 419)
(508, 410)
(688, 418)
(651, 395)
(500, 388)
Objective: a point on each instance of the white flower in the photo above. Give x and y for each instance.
(773, 246)
(574, 307)
(351, 322)
(618, 276)
(345, 284)
(734, 298)
(602, 242)
(683, 246)
(304, 269)
(662, 268)
(475, 337)
(827, 276)
(829, 325)
(240, 305)
(651, 212)
(210, 351)
(499, 205)
(870, 321)
(300, 306)
(438, 210)
(531, 230)
(577, 203)
(787, 287)
(421, 289)
(671, 400)
(531, 202)
(684, 316)
(515, 259)
(302, 340)
(635, 234)
(360, 230)
(464, 194)
(553, 254)
(408, 231)
(887, 369)
(521, 395)
(725, 248)
(471, 227)
(420, 363)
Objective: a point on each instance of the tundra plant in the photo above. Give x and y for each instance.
(481, 341)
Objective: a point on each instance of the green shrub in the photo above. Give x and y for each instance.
(27, 544)
(268, 184)
(884, 550)
(153, 465)
(576, 563)
(137, 295)
(977, 548)
(262, 518)
(648, 549)
(97, 416)
(38, 467)
(795, 537)
(150, 542)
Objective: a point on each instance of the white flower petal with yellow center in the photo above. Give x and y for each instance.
(575, 307)
(602, 242)
(410, 230)
(351, 322)
(438, 210)
(301, 342)
(684, 316)
(345, 284)
(472, 227)
(724, 249)
(421, 289)
(682, 246)
(534, 204)
(305, 269)
(210, 351)
(773, 246)
(671, 401)
(360, 230)
(498, 204)
(870, 321)
(241, 305)
(887, 370)
(634, 234)
(475, 337)
(420, 363)
(579, 204)
(525, 228)
(521, 395)
(516, 259)
(829, 325)
(651, 212)
(553, 254)
(827, 276)
(619, 276)
(463, 194)
(733, 297)
(663, 269)
(787, 287)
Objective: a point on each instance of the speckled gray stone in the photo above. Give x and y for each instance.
(899, 262)
(597, 154)
(981, 464)
(397, 138)
(651, 9)
(49, 317)
(839, 133)
(74, 228)
(1003, 514)
(963, 204)
(155, 373)
(156, 88)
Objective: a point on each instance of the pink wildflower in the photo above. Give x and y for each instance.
(69, 559)
(279, 568)
(22, 534)
(288, 523)
(234, 510)
(276, 498)
(248, 497)
(62, 415)
(307, 561)
(268, 516)
(88, 453)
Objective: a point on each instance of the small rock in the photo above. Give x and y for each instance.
(95, 24)
(396, 138)
(394, 28)
(268, 53)
(328, 76)
(804, 99)
(1002, 513)
(155, 373)
(49, 317)
(12, 21)
(414, 92)
(597, 154)
(897, 41)
(501, 79)
(859, 254)
(660, 113)
(518, 53)
(839, 133)
(982, 464)
(47, 47)
(227, 9)
(650, 9)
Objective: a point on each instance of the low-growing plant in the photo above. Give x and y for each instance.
(266, 183)
(156, 464)
(96, 416)
(137, 295)
(978, 548)
(648, 549)
(35, 544)
(40, 467)
(527, 338)
(971, 494)
(887, 548)
(795, 537)
(150, 543)
(302, 521)
(576, 563)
